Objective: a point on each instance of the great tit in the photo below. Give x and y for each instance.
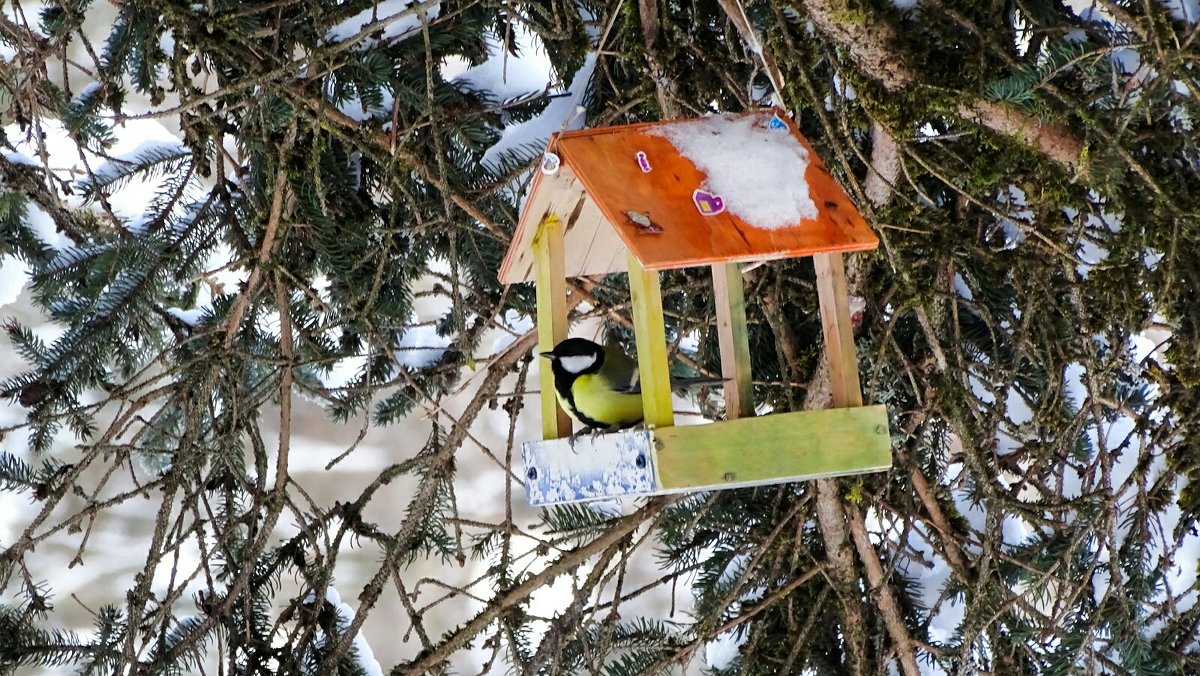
(598, 386)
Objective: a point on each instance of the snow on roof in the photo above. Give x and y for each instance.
(754, 171)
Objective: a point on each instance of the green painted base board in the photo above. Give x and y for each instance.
(774, 448)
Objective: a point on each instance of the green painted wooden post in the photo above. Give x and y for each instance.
(651, 336)
(551, 287)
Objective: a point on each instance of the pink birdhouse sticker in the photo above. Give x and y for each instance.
(707, 203)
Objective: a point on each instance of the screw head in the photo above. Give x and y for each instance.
(532, 474)
(730, 476)
(640, 461)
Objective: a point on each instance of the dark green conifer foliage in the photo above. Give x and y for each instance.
(1032, 172)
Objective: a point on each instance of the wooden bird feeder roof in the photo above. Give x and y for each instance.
(610, 203)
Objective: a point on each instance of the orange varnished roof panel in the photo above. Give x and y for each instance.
(603, 164)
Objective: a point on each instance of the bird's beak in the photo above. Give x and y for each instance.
(548, 355)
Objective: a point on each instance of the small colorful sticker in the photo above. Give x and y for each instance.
(643, 162)
(776, 123)
(550, 163)
(707, 203)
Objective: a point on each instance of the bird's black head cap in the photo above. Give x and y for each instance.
(575, 347)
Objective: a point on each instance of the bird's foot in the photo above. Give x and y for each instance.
(592, 433)
(589, 432)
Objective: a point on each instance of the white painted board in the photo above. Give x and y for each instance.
(610, 465)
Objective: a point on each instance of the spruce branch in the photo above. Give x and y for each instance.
(841, 569)
(1056, 141)
(614, 534)
(887, 603)
(736, 11)
(883, 170)
(265, 248)
(869, 42)
(867, 38)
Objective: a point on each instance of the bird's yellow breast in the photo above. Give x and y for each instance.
(595, 399)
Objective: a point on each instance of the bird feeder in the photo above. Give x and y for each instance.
(717, 191)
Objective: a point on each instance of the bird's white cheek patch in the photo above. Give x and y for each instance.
(577, 363)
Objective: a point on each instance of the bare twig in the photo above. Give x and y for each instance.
(616, 532)
(265, 248)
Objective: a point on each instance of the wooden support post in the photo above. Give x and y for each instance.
(839, 333)
(734, 340)
(651, 336)
(551, 284)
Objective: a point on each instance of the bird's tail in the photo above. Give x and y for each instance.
(678, 384)
(696, 381)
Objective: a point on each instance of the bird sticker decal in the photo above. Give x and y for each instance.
(707, 203)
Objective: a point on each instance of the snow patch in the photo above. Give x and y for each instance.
(13, 275)
(503, 74)
(166, 42)
(43, 226)
(1187, 11)
(1014, 198)
(1127, 60)
(1015, 530)
(981, 389)
(121, 162)
(513, 324)
(1073, 386)
(689, 343)
(225, 277)
(364, 657)
(396, 18)
(842, 88)
(751, 167)
(1151, 257)
(720, 652)
(1016, 408)
(421, 346)
(961, 288)
(190, 317)
(967, 507)
(344, 371)
(49, 139)
(928, 569)
(561, 114)
(21, 158)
